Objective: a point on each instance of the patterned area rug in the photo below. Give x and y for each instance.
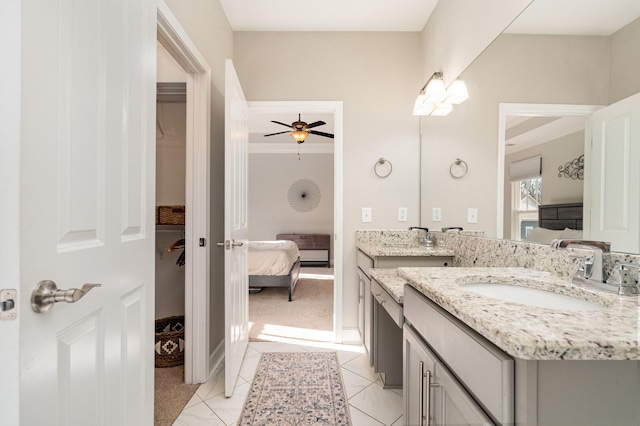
(291, 388)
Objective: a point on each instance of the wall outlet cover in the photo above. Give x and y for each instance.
(436, 212)
(367, 215)
(472, 215)
(402, 214)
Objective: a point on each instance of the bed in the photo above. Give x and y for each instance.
(557, 221)
(274, 264)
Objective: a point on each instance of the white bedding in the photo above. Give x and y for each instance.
(272, 257)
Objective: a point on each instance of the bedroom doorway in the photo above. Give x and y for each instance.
(284, 178)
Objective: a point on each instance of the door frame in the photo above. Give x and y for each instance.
(10, 123)
(335, 108)
(197, 198)
(538, 110)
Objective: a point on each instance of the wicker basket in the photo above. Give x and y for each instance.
(169, 346)
(170, 215)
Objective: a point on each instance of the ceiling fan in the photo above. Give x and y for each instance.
(300, 130)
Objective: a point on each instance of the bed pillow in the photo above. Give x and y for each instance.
(571, 234)
(543, 235)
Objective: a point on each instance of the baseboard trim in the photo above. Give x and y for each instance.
(351, 336)
(216, 358)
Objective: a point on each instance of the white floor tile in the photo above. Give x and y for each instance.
(399, 422)
(214, 386)
(353, 382)
(383, 405)
(360, 365)
(228, 409)
(197, 415)
(358, 418)
(195, 399)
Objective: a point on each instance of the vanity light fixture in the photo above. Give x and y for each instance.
(436, 99)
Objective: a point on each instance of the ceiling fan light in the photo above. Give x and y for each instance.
(299, 135)
(435, 92)
(440, 110)
(457, 92)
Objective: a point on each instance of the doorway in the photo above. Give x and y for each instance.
(197, 198)
(312, 110)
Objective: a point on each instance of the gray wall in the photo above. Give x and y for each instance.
(208, 28)
(624, 63)
(270, 176)
(518, 69)
(377, 76)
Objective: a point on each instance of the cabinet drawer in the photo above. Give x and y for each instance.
(364, 263)
(483, 368)
(391, 306)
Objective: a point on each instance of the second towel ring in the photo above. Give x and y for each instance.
(381, 161)
(458, 168)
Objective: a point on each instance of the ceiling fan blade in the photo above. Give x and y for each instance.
(326, 135)
(315, 124)
(278, 122)
(271, 134)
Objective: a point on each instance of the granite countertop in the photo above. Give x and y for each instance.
(530, 332)
(374, 249)
(389, 279)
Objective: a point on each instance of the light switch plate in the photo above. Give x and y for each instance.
(472, 215)
(402, 214)
(367, 216)
(436, 213)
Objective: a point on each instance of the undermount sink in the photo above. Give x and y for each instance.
(531, 296)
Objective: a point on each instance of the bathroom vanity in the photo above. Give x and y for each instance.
(379, 312)
(474, 355)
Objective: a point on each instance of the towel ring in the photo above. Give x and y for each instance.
(382, 161)
(459, 168)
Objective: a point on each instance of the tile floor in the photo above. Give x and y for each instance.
(369, 403)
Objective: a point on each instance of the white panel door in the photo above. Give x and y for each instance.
(615, 178)
(236, 275)
(87, 195)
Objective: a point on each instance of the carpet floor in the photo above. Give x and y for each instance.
(171, 394)
(293, 388)
(308, 317)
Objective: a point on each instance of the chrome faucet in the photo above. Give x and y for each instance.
(592, 269)
(621, 278)
(426, 240)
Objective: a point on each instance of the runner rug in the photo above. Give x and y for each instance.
(291, 388)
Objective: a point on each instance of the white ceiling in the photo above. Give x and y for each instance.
(579, 17)
(328, 15)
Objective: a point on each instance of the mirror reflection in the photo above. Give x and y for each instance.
(551, 63)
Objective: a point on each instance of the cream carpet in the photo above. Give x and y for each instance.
(293, 388)
(308, 317)
(171, 394)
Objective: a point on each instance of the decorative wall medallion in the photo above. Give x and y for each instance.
(304, 195)
(574, 169)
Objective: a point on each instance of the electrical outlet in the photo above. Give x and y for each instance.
(472, 215)
(436, 214)
(367, 216)
(402, 214)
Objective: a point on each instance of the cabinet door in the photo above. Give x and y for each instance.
(452, 405)
(419, 365)
(361, 304)
(368, 319)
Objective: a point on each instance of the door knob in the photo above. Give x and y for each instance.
(228, 244)
(47, 294)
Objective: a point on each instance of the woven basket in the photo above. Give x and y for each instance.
(169, 346)
(170, 215)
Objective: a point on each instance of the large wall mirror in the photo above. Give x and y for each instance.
(532, 93)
